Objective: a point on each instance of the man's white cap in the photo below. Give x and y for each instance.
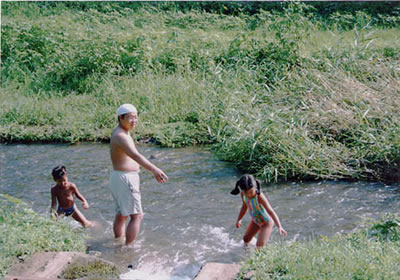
(125, 109)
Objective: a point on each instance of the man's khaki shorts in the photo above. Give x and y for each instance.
(126, 192)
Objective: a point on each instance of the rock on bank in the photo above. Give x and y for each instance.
(218, 271)
(62, 265)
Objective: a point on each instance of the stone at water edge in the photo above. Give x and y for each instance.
(218, 271)
(49, 265)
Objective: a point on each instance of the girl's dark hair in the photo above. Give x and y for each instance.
(59, 171)
(246, 182)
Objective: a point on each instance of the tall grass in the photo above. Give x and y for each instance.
(282, 90)
(367, 254)
(23, 233)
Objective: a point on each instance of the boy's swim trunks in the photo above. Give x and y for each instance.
(68, 211)
(126, 192)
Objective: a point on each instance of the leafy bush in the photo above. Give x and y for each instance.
(387, 229)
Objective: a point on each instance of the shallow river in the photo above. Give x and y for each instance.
(191, 219)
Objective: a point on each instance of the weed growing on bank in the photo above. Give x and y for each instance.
(367, 254)
(23, 232)
(282, 90)
(95, 269)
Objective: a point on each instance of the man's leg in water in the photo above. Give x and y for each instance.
(132, 230)
(119, 225)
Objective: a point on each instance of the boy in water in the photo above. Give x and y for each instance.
(64, 192)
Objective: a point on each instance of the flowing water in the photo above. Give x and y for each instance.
(190, 219)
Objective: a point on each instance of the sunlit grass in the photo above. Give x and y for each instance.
(280, 95)
(367, 254)
(23, 232)
(377, 39)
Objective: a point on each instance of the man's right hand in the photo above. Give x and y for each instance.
(160, 176)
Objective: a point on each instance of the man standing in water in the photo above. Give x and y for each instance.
(124, 178)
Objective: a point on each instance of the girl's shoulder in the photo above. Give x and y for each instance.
(261, 196)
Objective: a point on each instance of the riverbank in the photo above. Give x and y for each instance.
(23, 233)
(63, 265)
(284, 91)
(369, 253)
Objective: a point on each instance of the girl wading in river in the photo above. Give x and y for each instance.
(263, 217)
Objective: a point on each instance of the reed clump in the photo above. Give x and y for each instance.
(283, 90)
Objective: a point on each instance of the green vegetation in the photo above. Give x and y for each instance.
(95, 269)
(23, 232)
(368, 254)
(283, 90)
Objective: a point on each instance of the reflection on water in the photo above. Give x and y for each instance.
(191, 219)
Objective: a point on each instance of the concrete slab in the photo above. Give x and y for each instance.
(218, 271)
(41, 266)
(48, 265)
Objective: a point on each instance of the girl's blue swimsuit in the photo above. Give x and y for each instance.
(68, 211)
(256, 210)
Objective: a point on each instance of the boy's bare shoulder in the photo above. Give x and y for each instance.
(71, 185)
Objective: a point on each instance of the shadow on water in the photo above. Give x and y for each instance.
(191, 219)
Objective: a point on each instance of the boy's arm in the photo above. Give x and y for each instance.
(242, 212)
(133, 153)
(53, 207)
(264, 202)
(85, 204)
(53, 199)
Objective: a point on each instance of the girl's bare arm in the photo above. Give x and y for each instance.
(264, 202)
(242, 212)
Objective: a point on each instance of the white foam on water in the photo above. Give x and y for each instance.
(149, 269)
(214, 240)
(143, 275)
(223, 242)
(184, 261)
(156, 269)
(135, 274)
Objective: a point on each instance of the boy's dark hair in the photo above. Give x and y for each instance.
(246, 182)
(59, 171)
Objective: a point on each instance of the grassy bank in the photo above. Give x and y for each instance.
(23, 232)
(285, 91)
(368, 254)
